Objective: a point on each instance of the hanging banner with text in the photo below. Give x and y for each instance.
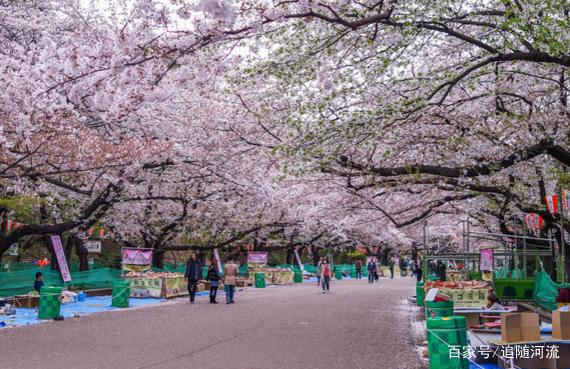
(256, 259)
(467, 297)
(136, 260)
(486, 260)
(298, 258)
(61, 261)
(146, 287)
(218, 260)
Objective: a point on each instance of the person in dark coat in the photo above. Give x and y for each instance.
(440, 270)
(214, 278)
(38, 283)
(371, 271)
(193, 274)
(419, 271)
(358, 267)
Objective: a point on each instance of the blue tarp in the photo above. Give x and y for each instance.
(89, 306)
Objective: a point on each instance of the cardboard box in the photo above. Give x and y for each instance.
(520, 327)
(561, 325)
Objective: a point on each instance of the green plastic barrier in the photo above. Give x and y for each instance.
(420, 294)
(507, 289)
(121, 293)
(438, 309)
(338, 275)
(353, 274)
(259, 280)
(22, 282)
(443, 335)
(298, 277)
(50, 302)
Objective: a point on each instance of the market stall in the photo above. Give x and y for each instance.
(280, 276)
(257, 263)
(158, 285)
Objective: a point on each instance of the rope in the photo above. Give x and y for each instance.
(448, 345)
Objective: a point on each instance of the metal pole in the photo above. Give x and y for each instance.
(426, 251)
(524, 257)
(467, 242)
(426, 248)
(562, 251)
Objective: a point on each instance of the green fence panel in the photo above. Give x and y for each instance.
(508, 289)
(22, 282)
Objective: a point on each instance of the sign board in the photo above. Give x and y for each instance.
(137, 260)
(146, 287)
(93, 246)
(61, 261)
(257, 259)
(175, 286)
(486, 260)
(467, 297)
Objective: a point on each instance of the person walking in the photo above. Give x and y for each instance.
(213, 278)
(230, 275)
(358, 266)
(325, 276)
(193, 274)
(371, 271)
(391, 265)
(419, 271)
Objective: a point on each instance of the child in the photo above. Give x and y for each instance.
(38, 283)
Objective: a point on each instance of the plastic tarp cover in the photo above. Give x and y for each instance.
(546, 290)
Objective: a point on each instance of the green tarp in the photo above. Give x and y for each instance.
(22, 282)
(546, 290)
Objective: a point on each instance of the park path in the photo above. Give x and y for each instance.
(355, 326)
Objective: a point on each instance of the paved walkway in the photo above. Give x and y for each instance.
(355, 326)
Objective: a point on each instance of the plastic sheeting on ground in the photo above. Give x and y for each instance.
(91, 305)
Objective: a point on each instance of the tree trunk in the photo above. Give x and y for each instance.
(53, 258)
(158, 259)
(289, 257)
(68, 249)
(82, 254)
(315, 251)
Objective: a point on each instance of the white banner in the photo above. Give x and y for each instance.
(61, 261)
(93, 246)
